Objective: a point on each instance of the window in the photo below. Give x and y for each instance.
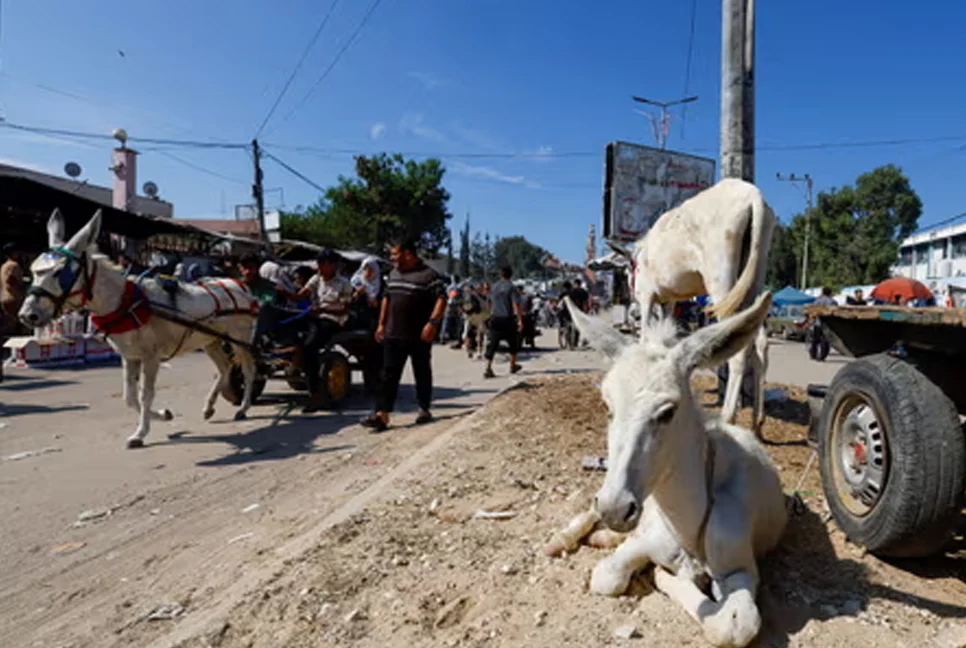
(905, 256)
(959, 246)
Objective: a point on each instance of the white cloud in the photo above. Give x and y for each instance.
(489, 173)
(428, 80)
(477, 138)
(413, 123)
(377, 130)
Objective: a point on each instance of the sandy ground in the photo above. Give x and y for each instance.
(291, 530)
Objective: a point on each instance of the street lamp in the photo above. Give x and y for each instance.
(661, 127)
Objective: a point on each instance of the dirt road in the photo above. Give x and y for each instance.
(95, 536)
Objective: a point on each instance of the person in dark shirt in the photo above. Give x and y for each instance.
(857, 300)
(506, 321)
(580, 297)
(411, 312)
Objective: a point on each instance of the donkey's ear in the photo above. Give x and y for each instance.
(87, 235)
(56, 229)
(608, 341)
(712, 346)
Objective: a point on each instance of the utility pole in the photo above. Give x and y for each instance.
(662, 127)
(738, 89)
(258, 192)
(807, 179)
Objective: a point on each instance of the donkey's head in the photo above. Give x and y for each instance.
(60, 275)
(653, 416)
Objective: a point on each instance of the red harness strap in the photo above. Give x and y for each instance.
(133, 312)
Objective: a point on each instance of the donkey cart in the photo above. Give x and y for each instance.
(277, 351)
(891, 445)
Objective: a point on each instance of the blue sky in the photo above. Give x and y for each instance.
(451, 77)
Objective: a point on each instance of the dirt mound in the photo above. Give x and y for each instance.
(455, 556)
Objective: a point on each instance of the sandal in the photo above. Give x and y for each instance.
(515, 368)
(374, 423)
(423, 418)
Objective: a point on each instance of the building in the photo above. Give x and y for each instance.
(245, 224)
(143, 205)
(937, 254)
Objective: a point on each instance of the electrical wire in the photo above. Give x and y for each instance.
(294, 172)
(334, 153)
(687, 65)
(335, 61)
(101, 136)
(198, 167)
(298, 66)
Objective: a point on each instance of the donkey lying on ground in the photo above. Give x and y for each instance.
(697, 248)
(72, 276)
(701, 497)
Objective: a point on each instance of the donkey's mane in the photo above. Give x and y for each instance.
(662, 331)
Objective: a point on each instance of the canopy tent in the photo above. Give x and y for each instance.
(790, 296)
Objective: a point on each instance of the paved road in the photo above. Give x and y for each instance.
(788, 363)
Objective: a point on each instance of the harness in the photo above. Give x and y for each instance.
(66, 278)
(132, 313)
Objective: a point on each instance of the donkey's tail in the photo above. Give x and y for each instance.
(740, 292)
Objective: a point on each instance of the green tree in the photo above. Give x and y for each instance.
(481, 257)
(390, 197)
(855, 232)
(520, 254)
(465, 249)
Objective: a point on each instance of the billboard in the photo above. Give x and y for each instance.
(641, 183)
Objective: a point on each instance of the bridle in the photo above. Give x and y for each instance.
(67, 276)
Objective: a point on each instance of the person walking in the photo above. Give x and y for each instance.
(13, 291)
(409, 319)
(506, 321)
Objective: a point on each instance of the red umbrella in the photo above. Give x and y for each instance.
(908, 289)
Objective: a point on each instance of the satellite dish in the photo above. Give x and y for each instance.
(150, 189)
(72, 169)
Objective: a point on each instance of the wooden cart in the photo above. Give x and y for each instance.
(888, 428)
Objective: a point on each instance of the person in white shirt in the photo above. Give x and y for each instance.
(330, 294)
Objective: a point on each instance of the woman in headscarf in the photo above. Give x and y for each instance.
(367, 282)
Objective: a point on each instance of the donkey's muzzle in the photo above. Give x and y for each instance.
(619, 511)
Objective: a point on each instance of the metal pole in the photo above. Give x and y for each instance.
(738, 89)
(257, 191)
(803, 283)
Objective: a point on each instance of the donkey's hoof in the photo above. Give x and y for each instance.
(208, 413)
(135, 443)
(240, 416)
(167, 415)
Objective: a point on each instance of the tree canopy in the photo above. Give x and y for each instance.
(390, 197)
(855, 232)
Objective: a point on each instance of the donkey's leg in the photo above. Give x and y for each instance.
(132, 369)
(612, 575)
(216, 352)
(247, 364)
(149, 377)
(760, 364)
(736, 373)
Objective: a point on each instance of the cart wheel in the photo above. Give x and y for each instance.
(235, 389)
(892, 457)
(335, 378)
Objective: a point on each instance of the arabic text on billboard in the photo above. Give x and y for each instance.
(646, 182)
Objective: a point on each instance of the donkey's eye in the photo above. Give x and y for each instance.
(664, 416)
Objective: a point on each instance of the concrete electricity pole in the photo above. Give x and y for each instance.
(661, 127)
(807, 179)
(738, 89)
(258, 192)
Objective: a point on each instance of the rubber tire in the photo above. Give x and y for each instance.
(235, 389)
(926, 481)
(327, 362)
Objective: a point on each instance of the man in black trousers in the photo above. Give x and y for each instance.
(409, 318)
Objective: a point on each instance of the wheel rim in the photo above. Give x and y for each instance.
(337, 379)
(859, 452)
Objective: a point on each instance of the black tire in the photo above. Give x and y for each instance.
(235, 389)
(915, 448)
(335, 378)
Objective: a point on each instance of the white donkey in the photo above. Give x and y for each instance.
(697, 249)
(71, 276)
(701, 497)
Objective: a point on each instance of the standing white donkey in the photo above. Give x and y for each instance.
(697, 248)
(72, 276)
(701, 496)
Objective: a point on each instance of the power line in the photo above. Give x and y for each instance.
(334, 153)
(101, 136)
(687, 65)
(296, 173)
(335, 61)
(198, 167)
(298, 66)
